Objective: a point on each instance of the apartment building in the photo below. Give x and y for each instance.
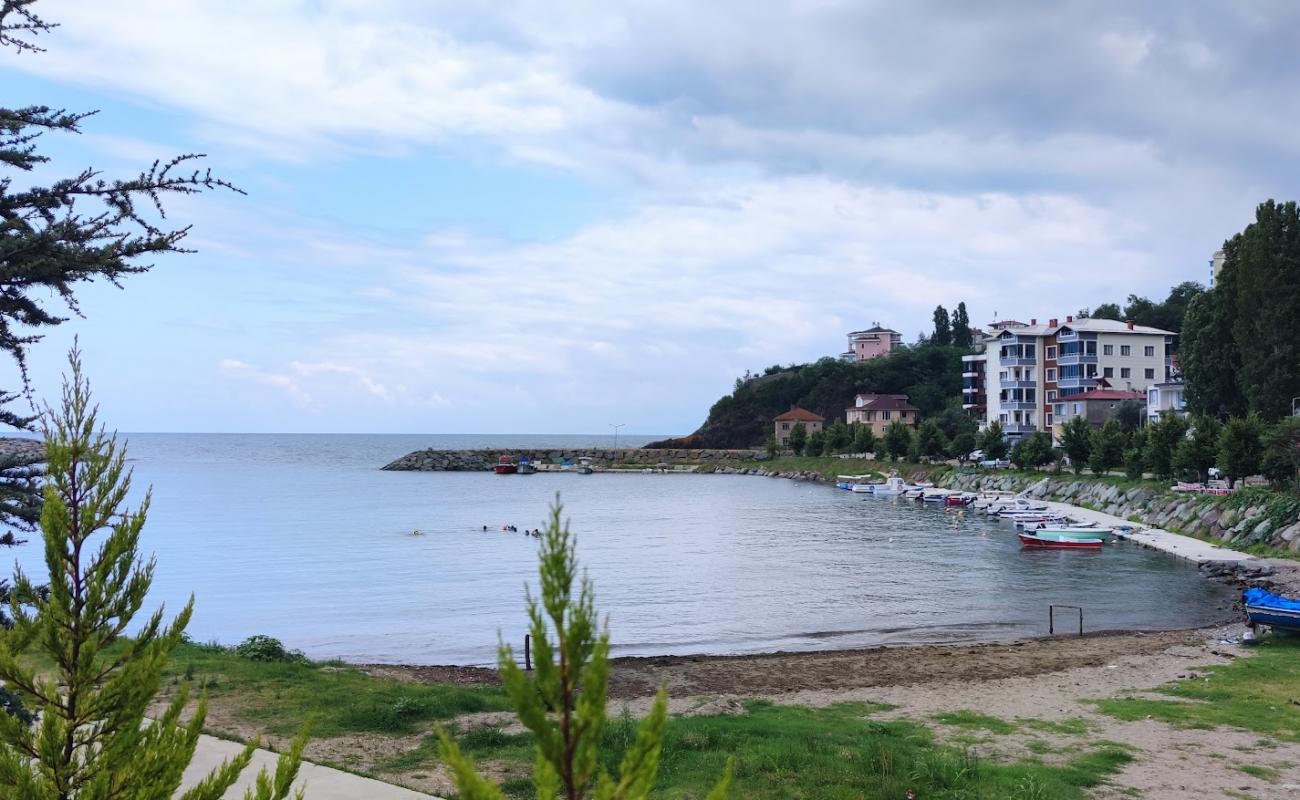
(974, 383)
(1024, 370)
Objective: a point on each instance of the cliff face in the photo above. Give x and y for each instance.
(480, 460)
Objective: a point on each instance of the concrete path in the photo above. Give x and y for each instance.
(1173, 543)
(322, 783)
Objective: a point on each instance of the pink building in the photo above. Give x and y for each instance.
(874, 341)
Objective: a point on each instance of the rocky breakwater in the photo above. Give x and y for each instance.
(15, 447)
(1253, 516)
(478, 460)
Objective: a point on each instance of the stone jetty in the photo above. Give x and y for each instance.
(477, 460)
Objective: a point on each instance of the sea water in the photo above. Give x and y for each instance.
(304, 538)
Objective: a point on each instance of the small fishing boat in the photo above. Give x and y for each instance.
(584, 466)
(1075, 531)
(1274, 610)
(506, 466)
(937, 495)
(526, 467)
(1039, 539)
(894, 485)
(862, 488)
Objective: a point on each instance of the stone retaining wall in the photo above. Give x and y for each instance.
(476, 460)
(1276, 524)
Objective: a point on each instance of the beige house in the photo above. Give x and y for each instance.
(786, 422)
(879, 410)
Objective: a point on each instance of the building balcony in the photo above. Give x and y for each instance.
(971, 374)
(1020, 384)
(1076, 358)
(1022, 405)
(972, 390)
(1017, 428)
(1072, 385)
(1017, 361)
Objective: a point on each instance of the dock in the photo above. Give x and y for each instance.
(1175, 544)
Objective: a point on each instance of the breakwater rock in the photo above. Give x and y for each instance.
(19, 447)
(1254, 516)
(477, 460)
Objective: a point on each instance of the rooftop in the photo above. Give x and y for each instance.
(886, 402)
(797, 414)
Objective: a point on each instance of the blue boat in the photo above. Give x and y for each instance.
(1274, 610)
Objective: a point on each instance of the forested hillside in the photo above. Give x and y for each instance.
(929, 374)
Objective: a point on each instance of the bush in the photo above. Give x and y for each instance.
(266, 648)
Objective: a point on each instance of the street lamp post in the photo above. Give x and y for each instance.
(616, 427)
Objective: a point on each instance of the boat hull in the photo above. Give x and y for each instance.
(1066, 543)
(505, 469)
(1274, 617)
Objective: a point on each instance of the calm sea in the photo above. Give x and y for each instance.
(302, 537)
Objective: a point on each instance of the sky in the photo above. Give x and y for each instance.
(542, 217)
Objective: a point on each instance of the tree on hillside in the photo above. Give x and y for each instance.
(1129, 414)
(798, 438)
(563, 701)
(897, 440)
(1032, 451)
(963, 444)
(961, 327)
(1163, 437)
(838, 437)
(864, 439)
(930, 441)
(93, 739)
(1107, 449)
(1107, 311)
(1281, 458)
(1076, 441)
(942, 335)
(1240, 446)
(993, 442)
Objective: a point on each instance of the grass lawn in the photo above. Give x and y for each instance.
(278, 697)
(1260, 694)
(796, 752)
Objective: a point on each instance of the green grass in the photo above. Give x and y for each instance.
(834, 753)
(1075, 726)
(1263, 773)
(1260, 693)
(280, 697)
(970, 720)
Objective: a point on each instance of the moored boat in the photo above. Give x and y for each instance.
(893, 486)
(1038, 539)
(506, 466)
(1274, 610)
(1075, 531)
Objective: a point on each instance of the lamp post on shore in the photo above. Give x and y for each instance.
(616, 427)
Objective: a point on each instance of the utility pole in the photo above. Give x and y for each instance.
(616, 427)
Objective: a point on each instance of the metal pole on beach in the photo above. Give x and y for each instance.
(616, 427)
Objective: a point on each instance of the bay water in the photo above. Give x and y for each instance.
(304, 538)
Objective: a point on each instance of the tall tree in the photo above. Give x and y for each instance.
(961, 326)
(1076, 441)
(1129, 413)
(93, 740)
(1107, 311)
(864, 439)
(798, 438)
(942, 335)
(897, 440)
(930, 441)
(1135, 455)
(1209, 356)
(1241, 446)
(993, 442)
(1199, 449)
(1107, 450)
(78, 229)
(1163, 438)
(1032, 451)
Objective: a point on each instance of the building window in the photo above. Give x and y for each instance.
(1051, 374)
(1059, 409)
(884, 415)
(1125, 372)
(1149, 350)
(1076, 409)
(1151, 374)
(1051, 395)
(1051, 351)
(1108, 349)
(1049, 419)
(1125, 350)
(1108, 372)
(785, 426)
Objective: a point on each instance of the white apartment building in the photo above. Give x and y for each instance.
(1026, 369)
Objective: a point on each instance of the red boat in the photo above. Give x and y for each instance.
(506, 466)
(1031, 540)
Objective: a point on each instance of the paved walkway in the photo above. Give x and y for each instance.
(1173, 543)
(322, 783)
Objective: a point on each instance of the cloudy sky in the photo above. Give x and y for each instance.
(540, 217)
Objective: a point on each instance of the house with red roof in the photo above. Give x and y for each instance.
(786, 422)
(880, 410)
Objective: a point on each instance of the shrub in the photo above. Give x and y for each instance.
(266, 648)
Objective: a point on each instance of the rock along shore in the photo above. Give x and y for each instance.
(477, 460)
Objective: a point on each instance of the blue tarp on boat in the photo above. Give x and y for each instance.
(1259, 597)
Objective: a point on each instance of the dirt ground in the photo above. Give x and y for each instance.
(1048, 680)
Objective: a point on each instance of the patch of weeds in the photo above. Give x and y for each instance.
(1075, 726)
(1263, 773)
(971, 720)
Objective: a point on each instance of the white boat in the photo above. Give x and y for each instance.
(1009, 505)
(936, 495)
(862, 488)
(894, 486)
(989, 497)
(1075, 532)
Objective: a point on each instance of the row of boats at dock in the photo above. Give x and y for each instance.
(1037, 525)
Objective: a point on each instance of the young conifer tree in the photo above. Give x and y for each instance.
(92, 740)
(563, 701)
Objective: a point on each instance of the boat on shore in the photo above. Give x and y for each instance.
(505, 466)
(1039, 539)
(1274, 610)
